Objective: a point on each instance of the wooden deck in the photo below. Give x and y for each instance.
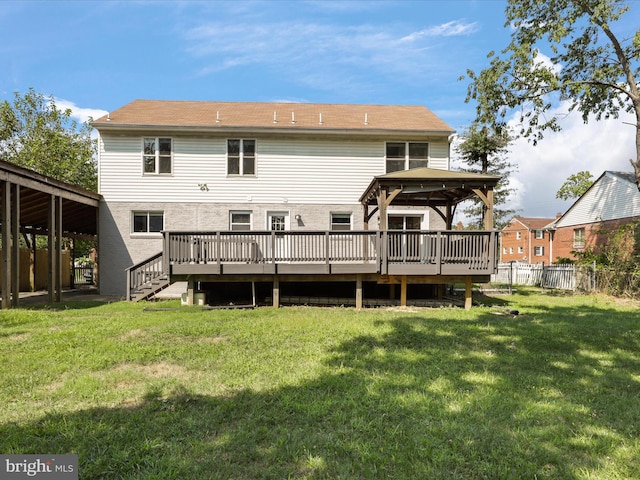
(409, 256)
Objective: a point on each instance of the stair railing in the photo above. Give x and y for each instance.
(144, 272)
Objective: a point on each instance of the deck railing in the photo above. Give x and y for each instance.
(384, 252)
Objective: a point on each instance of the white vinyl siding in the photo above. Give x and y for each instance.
(439, 155)
(609, 198)
(300, 171)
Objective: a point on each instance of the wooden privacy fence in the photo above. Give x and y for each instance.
(41, 269)
(562, 277)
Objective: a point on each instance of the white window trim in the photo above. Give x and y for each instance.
(350, 214)
(242, 212)
(241, 167)
(538, 248)
(146, 234)
(424, 223)
(536, 232)
(406, 152)
(157, 159)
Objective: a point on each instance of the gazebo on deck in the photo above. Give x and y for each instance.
(427, 187)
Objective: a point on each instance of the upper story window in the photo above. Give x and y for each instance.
(406, 155)
(538, 251)
(156, 155)
(518, 235)
(579, 239)
(340, 221)
(241, 157)
(147, 222)
(539, 234)
(239, 221)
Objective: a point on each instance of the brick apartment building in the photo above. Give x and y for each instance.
(526, 240)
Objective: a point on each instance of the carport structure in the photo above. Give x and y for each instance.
(34, 203)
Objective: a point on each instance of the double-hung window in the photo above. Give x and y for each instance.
(539, 234)
(406, 155)
(340, 221)
(241, 157)
(239, 221)
(538, 251)
(147, 222)
(579, 239)
(156, 155)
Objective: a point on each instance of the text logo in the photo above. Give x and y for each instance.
(45, 467)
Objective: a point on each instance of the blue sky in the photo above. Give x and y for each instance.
(95, 56)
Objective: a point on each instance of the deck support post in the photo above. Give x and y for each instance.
(467, 292)
(276, 292)
(191, 286)
(403, 291)
(440, 291)
(358, 292)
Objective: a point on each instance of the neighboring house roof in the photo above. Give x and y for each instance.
(613, 196)
(195, 115)
(530, 223)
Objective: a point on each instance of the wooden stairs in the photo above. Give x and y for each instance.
(147, 278)
(149, 289)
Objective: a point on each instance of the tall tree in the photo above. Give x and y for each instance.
(575, 185)
(592, 63)
(35, 134)
(484, 150)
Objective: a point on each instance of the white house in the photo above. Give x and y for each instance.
(183, 166)
(611, 201)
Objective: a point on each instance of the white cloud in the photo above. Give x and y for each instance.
(449, 29)
(300, 50)
(542, 169)
(546, 62)
(79, 113)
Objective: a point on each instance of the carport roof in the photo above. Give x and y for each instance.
(79, 206)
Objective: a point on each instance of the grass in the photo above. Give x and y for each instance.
(328, 393)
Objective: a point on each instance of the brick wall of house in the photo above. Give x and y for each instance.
(595, 234)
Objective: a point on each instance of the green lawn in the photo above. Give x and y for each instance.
(328, 393)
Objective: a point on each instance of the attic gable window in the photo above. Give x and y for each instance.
(241, 157)
(406, 155)
(157, 156)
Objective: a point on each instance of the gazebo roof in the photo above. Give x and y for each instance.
(428, 186)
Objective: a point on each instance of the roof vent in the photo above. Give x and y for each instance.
(320, 122)
(275, 117)
(108, 116)
(218, 117)
(293, 117)
(366, 119)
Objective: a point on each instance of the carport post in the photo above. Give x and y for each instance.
(6, 244)
(15, 246)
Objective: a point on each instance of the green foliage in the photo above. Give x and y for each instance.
(35, 134)
(589, 63)
(483, 150)
(575, 185)
(618, 247)
(617, 257)
(309, 393)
